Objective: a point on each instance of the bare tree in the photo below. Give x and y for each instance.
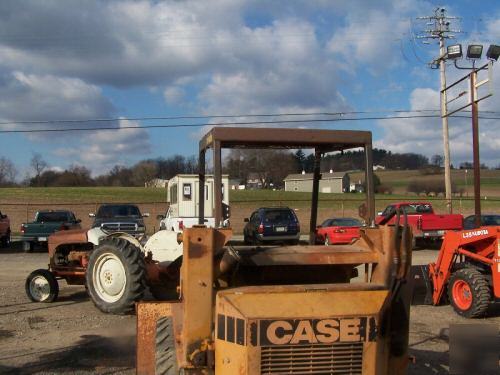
(8, 172)
(144, 171)
(271, 166)
(38, 165)
(437, 160)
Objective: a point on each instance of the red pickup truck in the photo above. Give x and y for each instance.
(426, 225)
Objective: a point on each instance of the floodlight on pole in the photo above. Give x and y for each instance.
(493, 52)
(474, 51)
(454, 51)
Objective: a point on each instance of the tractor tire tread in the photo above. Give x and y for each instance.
(481, 291)
(166, 361)
(135, 267)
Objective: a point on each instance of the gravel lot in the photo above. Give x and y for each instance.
(72, 336)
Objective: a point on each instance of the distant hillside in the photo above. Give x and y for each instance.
(399, 179)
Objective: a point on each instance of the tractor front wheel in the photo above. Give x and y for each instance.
(469, 292)
(116, 276)
(41, 286)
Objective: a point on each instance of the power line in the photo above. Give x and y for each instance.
(373, 118)
(199, 117)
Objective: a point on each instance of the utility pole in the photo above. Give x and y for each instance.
(441, 31)
(475, 148)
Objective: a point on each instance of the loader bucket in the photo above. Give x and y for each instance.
(422, 285)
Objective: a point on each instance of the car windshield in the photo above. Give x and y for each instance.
(345, 222)
(115, 211)
(326, 223)
(271, 216)
(52, 216)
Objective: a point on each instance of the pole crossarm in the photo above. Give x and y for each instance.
(473, 96)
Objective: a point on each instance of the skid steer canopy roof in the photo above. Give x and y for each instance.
(326, 140)
(322, 141)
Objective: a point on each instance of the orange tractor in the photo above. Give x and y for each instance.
(467, 271)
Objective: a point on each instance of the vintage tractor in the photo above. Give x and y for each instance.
(116, 268)
(297, 309)
(467, 271)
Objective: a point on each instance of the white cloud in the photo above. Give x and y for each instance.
(29, 97)
(101, 150)
(372, 38)
(174, 94)
(275, 73)
(424, 135)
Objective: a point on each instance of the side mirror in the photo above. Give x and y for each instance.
(91, 215)
(78, 221)
(145, 214)
(246, 220)
(160, 217)
(318, 226)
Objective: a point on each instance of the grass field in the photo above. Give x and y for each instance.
(20, 204)
(82, 194)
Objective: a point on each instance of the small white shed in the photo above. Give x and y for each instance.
(182, 195)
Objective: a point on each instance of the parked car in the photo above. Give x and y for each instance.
(338, 231)
(272, 224)
(120, 218)
(425, 224)
(4, 230)
(46, 223)
(486, 220)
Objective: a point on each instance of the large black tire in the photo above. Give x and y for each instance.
(116, 276)
(469, 292)
(28, 246)
(41, 286)
(166, 360)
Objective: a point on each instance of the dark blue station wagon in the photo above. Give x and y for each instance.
(272, 224)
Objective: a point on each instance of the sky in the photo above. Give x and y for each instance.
(125, 61)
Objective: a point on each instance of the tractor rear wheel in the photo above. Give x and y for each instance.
(166, 360)
(41, 286)
(116, 276)
(469, 292)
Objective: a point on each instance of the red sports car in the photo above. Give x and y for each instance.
(338, 231)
